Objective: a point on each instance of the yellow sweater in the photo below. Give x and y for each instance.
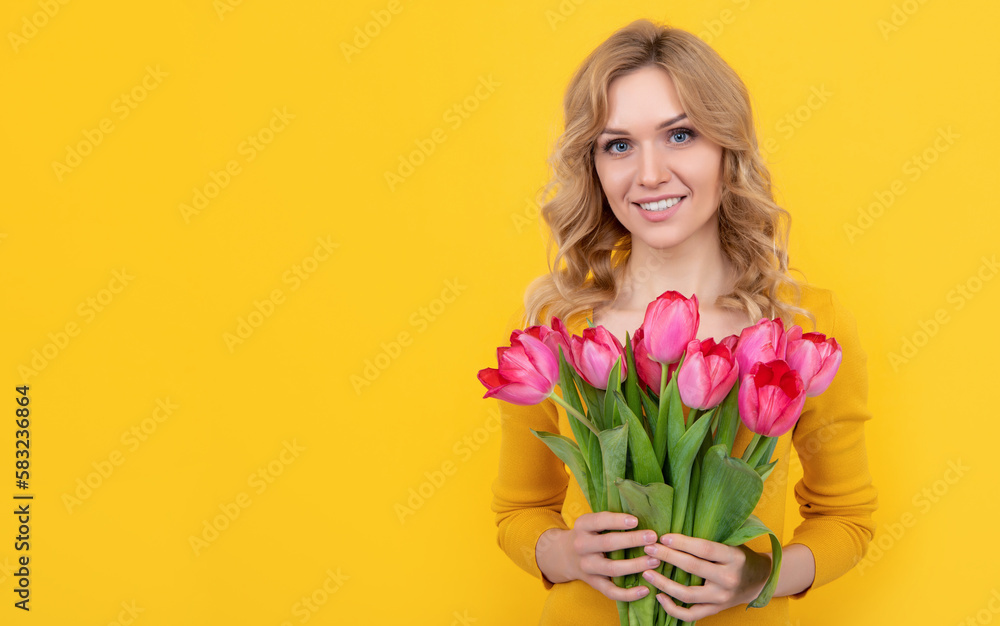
(534, 491)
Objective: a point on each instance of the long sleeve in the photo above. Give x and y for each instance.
(531, 484)
(835, 495)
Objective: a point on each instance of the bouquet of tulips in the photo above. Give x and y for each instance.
(638, 451)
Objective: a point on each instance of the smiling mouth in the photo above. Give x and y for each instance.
(662, 205)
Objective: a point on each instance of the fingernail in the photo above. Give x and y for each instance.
(649, 537)
(666, 540)
(650, 550)
(643, 592)
(651, 562)
(631, 521)
(648, 576)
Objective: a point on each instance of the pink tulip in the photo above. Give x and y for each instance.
(594, 355)
(761, 343)
(814, 357)
(527, 374)
(771, 398)
(730, 342)
(671, 322)
(708, 374)
(554, 338)
(649, 370)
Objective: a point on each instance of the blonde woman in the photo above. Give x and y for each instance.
(658, 185)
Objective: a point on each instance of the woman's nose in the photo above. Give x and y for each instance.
(653, 168)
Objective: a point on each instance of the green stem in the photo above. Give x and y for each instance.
(574, 413)
(751, 447)
(759, 452)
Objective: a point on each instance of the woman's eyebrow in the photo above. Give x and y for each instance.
(673, 120)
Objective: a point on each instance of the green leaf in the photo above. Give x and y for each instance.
(669, 421)
(614, 444)
(595, 409)
(651, 505)
(568, 385)
(729, 420)
(652, 410)
(614, 384)
(730, 490)
(765, 470)
(751, 529)
(632, 380)
(600, 502)
(644, 465)
(569, 453)
(772, 580)
(681, 459)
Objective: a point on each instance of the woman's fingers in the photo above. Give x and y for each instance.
(605, 520)
(683, 593)
(601, 566)
(608, 588)
(609, 542)
(687, 562)
(691, 614)
(701, 548)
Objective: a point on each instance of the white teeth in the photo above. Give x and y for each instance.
(662, 205)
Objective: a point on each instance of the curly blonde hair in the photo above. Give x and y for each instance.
(592, 247)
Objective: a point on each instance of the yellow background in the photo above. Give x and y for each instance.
(416, 282)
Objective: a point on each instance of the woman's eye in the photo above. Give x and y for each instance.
(680, 136)
(617, 147)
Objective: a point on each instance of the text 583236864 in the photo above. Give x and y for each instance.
(22, 508)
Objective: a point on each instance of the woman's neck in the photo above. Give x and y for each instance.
(649, 272)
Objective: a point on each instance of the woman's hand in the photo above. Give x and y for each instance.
(578, 553)
(733, 576)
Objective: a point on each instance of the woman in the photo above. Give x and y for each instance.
(658, 185)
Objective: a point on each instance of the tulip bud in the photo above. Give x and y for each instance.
(527, 372)
(708, 374)
(761, 343)
(670, 323)
(815, 357)
(595, 354)
(771, 398)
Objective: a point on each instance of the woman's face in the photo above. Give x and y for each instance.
(662, 179)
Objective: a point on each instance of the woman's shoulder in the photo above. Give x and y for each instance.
(828, 311)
